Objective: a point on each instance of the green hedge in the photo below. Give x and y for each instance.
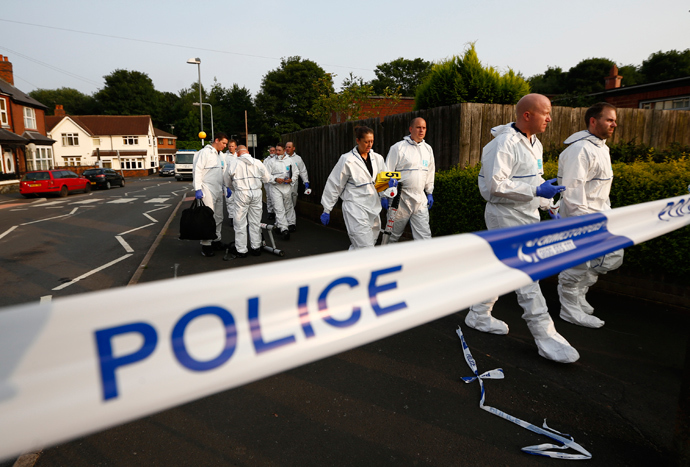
(458, 207)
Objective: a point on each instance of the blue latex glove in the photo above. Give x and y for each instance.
(306, 185)
(547, 190)
(229, 192)
(430, 200)
(392, 182)
(325, 218)
(384, 203)
(199, 194)
(554, 215)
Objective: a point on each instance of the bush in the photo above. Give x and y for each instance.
(631, 152)
(459, 208)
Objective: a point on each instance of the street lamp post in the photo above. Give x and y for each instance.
(213, 137)
(197, 61)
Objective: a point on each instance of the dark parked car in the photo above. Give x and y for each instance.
(104, 178)
(60, 182)
(168, 170)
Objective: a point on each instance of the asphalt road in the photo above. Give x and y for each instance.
(400, 400)
(52, 247)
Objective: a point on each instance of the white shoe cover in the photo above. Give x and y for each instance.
(556, 348)
(582, 319)
(585, 306)
(485, 323)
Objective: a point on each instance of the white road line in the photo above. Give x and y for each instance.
(8, 231)
(142, 227)
(154, 220)
(157, 200)
(23, 209)
(124, 244)
(46, 204)
(94, 271)
(163, 206)
(121, 201)
(51, 218)
(46, 298)
(86, 201)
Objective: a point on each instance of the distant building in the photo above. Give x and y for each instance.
(120, 142)
(673, 94)
(167, 145)
(378, 107)
(24, 145)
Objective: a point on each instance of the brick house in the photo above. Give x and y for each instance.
(24, 145)
(673, 94)
(167, 146)
(121, 142)
(378, 106)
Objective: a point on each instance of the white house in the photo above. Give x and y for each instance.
(124, 142)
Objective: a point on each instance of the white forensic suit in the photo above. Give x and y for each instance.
(511, 171)
(351, 180)
(303, 174)
(584, 168)
(267, 188)
(246, 177)
(230, 160)
(415, 162)
(281, 167)
(207, 176)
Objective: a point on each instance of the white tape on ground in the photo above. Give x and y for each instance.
(66, 371)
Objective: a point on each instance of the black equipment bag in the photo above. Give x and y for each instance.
(197, 222)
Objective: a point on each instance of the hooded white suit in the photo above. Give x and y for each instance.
(279, 167)
(207, 173)
(584, 168)
(351, 181)
(512, 168)
(246, 177)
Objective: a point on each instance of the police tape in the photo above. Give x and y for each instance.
(68, 367)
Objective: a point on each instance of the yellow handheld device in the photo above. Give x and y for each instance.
(382, 179)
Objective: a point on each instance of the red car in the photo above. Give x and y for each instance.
(57, 181)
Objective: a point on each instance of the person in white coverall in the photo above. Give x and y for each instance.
(284, 172)
(352, 179)
(230, 159)
(414, 159)
(246, 178)
(303, 174)
(584, 168)
(207, 175)
(267, 188)
(511, 182)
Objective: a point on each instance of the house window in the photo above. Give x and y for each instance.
(132, 164)
(161, 141)
(70, 139)
(3, 113)
(107, 164)
(170, 142)
(72, 161)
(130, 140)
(40, 159)
(675, 103)
(29, 118)
(97, 141)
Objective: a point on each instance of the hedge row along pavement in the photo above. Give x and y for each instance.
(459, 207)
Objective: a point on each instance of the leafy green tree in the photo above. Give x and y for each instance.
(127, 93)
(73, 101)
(228, 110)
(287, 96)
(662, 66)
(588, 76)
(551, 82)
(349, 101)
(631, 75)
(465, 79)
(401, 74)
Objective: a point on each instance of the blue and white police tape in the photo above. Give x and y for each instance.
(67, 369)
(539, 449)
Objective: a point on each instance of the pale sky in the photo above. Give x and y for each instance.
(72, 43)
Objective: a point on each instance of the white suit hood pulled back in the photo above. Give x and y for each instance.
(584, 167)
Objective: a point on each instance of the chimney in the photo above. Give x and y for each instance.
(59, 111)
(6, 70)
(613, 81)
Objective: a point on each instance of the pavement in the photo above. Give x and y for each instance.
(400, 400)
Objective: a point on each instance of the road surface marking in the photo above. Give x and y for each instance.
(51, 218)
(94, 271)
(143, 226)
(124, 244)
